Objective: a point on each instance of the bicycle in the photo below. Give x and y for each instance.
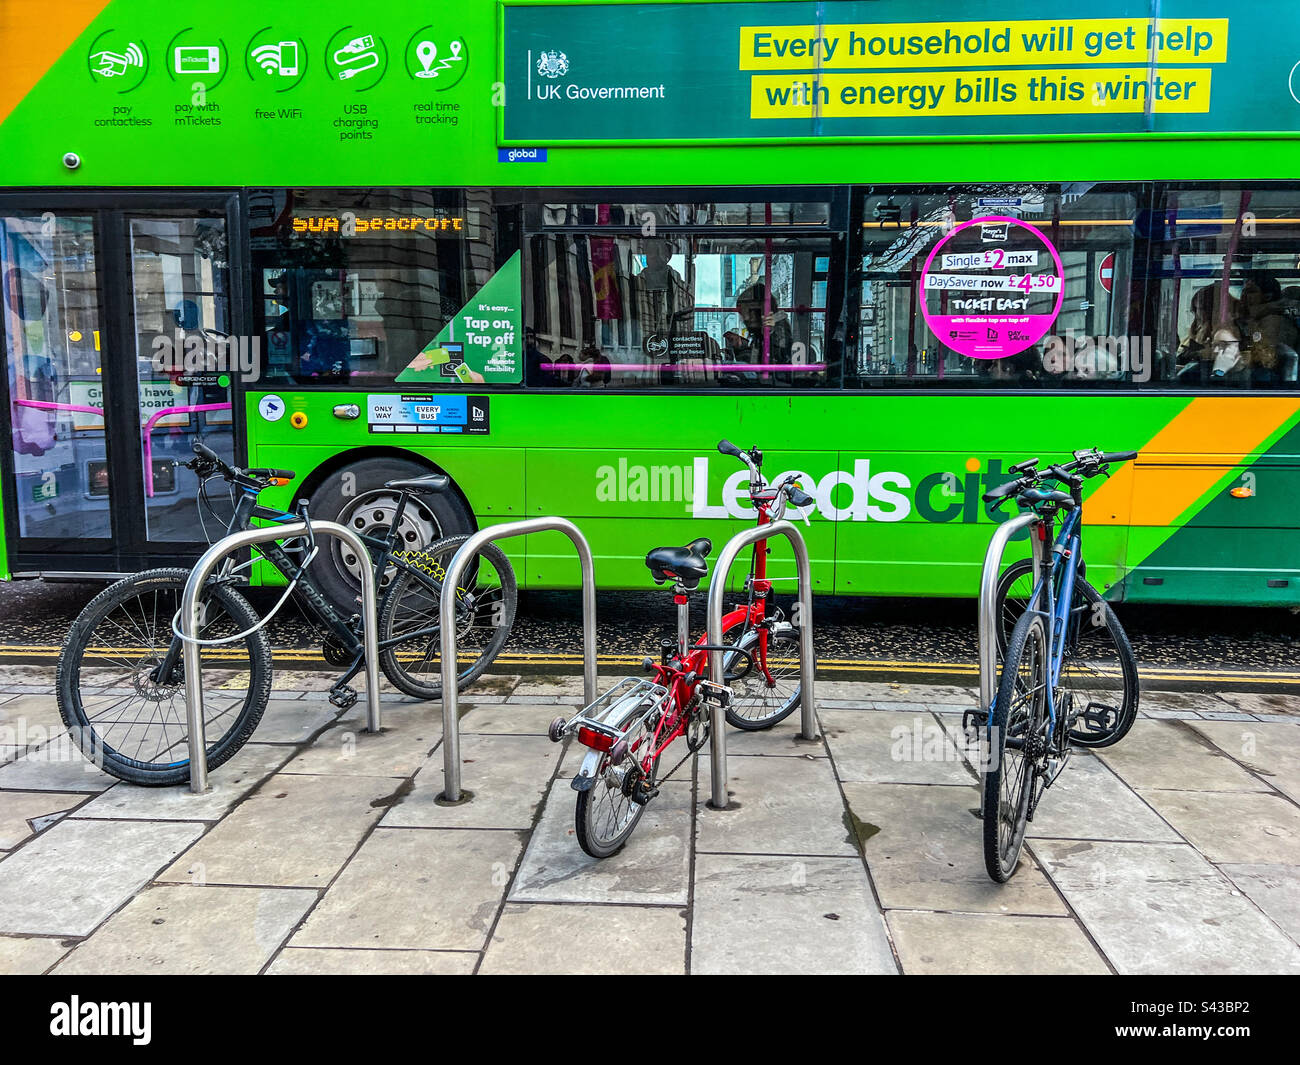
(120, 678)
(628, 729)
(1051, 695)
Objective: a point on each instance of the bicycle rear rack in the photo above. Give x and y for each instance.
(204, 568)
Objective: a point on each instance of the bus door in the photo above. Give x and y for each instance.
(117, 328)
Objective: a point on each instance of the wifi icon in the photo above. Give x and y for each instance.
(277, 59)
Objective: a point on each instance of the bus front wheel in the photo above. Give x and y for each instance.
(354, 495)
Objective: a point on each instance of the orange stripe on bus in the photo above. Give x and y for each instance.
(33, 34)
(1187, 458)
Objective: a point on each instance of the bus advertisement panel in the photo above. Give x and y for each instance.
(557, 251)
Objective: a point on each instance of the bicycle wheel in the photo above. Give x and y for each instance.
(1099, 671)
(1098, 668)
(766, 686)
(605, 814)
(127, 722)
(409, 620)
(1016, 743)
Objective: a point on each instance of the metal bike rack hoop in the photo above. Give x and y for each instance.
(204, 568)
(807, 700)
(988, 603)
(451, 790)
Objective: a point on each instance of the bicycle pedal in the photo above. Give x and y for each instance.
(974, 718)
(343, 697)
(642, 796)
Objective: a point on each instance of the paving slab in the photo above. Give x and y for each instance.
(227, 784)
(1270, 749)
(781, 739)
(786, 915)
(777, 806)
(1088, 801)
(294, 831)
(1233, 827)
(896, 748)
(971, 944)
(30, 720)
(18, 809)
(1269, 703)
(416, 888)
(336, 961)
(876, 691)
(506, 775)
(30, 955)
(553, 940)
(653, 867)
(509, 719)
(293, 720)
(57, 766)
(1149, 701)
(1171, 755)
(184, 930)
(1162, 908)
(67, 880)
(348, 750)
(924, 849)
(1275, 889)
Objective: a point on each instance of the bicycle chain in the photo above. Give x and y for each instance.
(691, 708)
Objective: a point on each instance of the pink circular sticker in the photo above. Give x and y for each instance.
(996, 288)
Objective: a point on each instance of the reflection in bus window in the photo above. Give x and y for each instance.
(51, 326)
(1225, 266)
(620, 311)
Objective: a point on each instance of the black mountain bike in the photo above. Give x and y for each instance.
(121, 681)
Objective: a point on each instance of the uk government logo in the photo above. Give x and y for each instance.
(553, 64)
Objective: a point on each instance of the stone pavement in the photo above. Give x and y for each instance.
(324, 849)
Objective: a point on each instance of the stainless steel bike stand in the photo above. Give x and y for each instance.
(988, 619)
(451, 790)
(807, 700)
(204, 568)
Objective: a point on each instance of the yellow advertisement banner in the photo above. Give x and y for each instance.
(983, 44)
(977, 92)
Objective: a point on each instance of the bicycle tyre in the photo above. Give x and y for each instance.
(750, 710)
(411, 602)
(97, 739)
(587, 821)
(1013, 590)
(1019, 711)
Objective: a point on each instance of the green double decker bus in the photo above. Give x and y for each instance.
(558, 250)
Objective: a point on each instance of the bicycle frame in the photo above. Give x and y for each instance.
(1055, 582)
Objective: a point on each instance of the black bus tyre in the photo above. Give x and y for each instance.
(124, 631)
(411, 603)
(1100, 648)
(354, 495)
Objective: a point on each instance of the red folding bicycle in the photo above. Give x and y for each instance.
(628, 729)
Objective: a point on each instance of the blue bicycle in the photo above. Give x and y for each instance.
(1068, 676)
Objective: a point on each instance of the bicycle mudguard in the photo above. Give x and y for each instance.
(586, 778)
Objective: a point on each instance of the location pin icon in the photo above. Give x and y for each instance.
(455, 49)
(426, 52)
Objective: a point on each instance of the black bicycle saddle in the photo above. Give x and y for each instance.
(686, 564)
(433, 482)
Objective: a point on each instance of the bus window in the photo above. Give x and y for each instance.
(353, 284)
(1094, 338)
(1225, 273)
(679, 310)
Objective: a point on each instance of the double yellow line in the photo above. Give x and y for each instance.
(1152, 676)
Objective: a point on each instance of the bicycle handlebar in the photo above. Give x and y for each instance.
(1086, 463)
(207, 462)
